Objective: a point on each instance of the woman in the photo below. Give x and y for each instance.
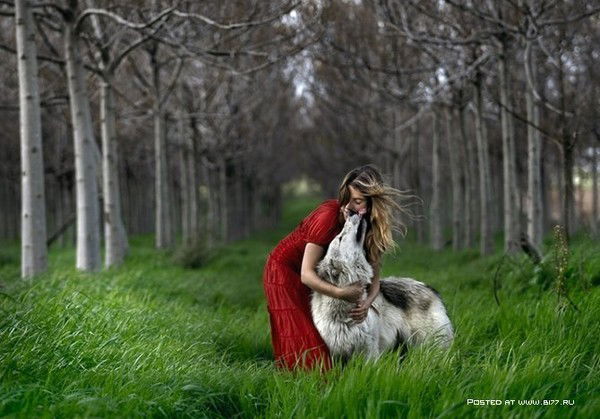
(290, 271)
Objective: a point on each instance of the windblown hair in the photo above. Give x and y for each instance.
(382, 203)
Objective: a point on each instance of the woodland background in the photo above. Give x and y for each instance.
(153, 152)
(187, 120)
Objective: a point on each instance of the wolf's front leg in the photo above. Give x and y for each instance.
(373, 326)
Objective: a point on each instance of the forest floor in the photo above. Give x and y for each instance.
(153, 338)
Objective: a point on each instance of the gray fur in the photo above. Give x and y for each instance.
(406, 312)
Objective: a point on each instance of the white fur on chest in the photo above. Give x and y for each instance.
(341, 334)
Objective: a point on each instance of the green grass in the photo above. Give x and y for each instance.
(154, 339)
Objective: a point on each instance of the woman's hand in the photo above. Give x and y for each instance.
(359, 313)
(352, 293)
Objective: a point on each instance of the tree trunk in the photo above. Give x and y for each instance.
(511, 207)
(182, 152)
(224, 218)
(34, 259)
(580, 218)
(4, 214)
(114, 231)
(62, 211)
(126, 197)
(396, 166)
(69, 201)
(235, 215)
(457, 183)
(417, 177)
(567, 150)
(88, 214)
(164, 237)
(486, 244)
(192, 183)
(469, 174)
(568, 205)
(595, 158)
(437, 240)
(211, 204)
(535, 216)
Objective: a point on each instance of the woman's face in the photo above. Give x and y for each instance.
(358, 203)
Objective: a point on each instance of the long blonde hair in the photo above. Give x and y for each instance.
(381, 206)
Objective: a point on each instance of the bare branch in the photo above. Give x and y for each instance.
(441, 19)
(119, 58)
(483, 16)
(426, 38)
(119, 19)
(52, 6)
(139, 79)
(39, 57)
(230, 26)
(162, 99)
(531, 86)
(570, 19)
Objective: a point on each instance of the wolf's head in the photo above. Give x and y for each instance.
(345, 260)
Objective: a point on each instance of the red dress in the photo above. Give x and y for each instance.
(296, 341)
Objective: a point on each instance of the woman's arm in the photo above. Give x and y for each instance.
(374, 289)
(359, 313)
(309, 277)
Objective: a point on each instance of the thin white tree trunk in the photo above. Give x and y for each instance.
(534, 160)
(511, 218)
(88, 215)
(415, 169)
(237, 206)
(3, 210)
(34, 259)
(595, 161)
(568, 193)
(67, 197)
(211, 203)
(114, 231)
(472, 185)
(580, 219)
(192, 188)
(223, 200)
(396, 145)
(61, 212)
(124, 237)
(457, 183)
(163, 215)
(186, 233)
(437, 241)
(469, 175)
(486, 245)
(115, 235)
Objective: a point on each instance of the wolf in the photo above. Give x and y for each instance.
(405, 313)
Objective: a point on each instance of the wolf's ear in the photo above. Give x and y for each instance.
(360, 232)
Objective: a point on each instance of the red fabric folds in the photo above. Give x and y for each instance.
(296, 341)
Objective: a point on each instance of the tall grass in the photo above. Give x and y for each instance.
(155, 339)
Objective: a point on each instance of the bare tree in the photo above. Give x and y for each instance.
(88, 214)
(33, 223)
(108, 58)
(437, 239)
(534, 211)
